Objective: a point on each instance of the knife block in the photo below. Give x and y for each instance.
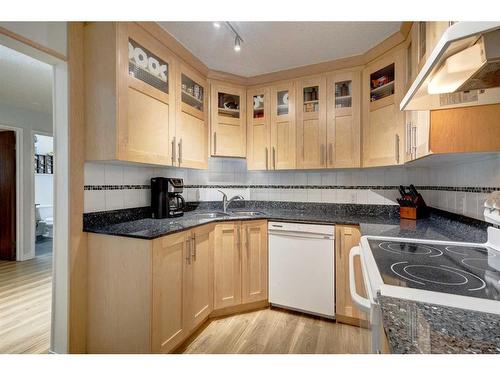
(408, 213)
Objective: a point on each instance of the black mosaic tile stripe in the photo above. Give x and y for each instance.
(116, 187)
(466, 189)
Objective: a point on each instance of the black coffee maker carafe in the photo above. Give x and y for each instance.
(166, 198)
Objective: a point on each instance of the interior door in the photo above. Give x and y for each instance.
(7, 195)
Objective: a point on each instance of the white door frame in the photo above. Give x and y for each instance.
(60, 281)
(32, 180)
(20, 229)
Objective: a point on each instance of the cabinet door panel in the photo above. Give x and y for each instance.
(227, 265)
(258, 129)
(169, 303)
(282, 154)
(284, 150)
(344, 151)
(145, 138)
(192, 133)
(200, 285)
(346, 237)
(254, 262)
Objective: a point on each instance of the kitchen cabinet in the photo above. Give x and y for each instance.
(346, 237)
(258, 129)
(343, 121)
(228, 120)
(283, 127)
(417, 134)
(240, 263)
(311, 123)
(200, 276)
(171, 255)
(254, 266)
(190, 139)
(227, 265)
(129, 94)
(465, 129)
(382, 121)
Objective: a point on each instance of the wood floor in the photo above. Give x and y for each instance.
(25, 302)
(273, 331)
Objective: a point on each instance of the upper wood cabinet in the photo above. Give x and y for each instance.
(417, 131)
(190, 139)
(346, 237)
(258, 128)
(382, 121)
(311, 123)
(283, 127)
(129, 98)
(344, 120)
(228, 120)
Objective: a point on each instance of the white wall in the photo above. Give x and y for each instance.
(48, 34)
(44, 189)
(27, 120)
(44, 145)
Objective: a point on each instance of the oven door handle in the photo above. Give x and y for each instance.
(362, 302)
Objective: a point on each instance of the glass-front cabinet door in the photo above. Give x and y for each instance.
(343, 120)
(190, 141)
(228, 124)
(282, 151)
(311, 123)
(258, 129)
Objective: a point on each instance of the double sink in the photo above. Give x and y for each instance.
(220, 214)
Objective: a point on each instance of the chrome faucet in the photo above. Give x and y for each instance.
(226, 202)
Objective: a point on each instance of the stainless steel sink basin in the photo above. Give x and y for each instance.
(210, 215)
(246, 213)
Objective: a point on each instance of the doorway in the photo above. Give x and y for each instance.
(8, 206)
(43, 183)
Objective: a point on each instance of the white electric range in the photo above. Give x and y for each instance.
(456, 274)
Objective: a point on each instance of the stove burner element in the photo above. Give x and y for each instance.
(442, 275)
(409, 248)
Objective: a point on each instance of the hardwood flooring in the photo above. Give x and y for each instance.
(274, 331)
(25, 303)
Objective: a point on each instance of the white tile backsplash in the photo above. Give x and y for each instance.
(225, 171)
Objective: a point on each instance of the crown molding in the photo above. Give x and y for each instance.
(323, 67)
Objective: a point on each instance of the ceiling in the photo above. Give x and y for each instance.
(24, 81)
(272, 46)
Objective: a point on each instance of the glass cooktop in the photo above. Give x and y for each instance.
(463, 270)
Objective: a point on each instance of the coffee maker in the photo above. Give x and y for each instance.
(166, 198)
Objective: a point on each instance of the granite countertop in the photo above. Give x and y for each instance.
(415, 327)
(375, 220)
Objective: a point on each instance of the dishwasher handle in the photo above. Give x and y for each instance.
(298, 234)
(362, 302)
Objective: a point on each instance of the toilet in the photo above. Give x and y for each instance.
(44, 220)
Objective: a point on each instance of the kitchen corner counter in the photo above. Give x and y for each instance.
(373, 220)
(422, 328)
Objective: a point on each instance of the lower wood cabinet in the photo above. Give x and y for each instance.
(346, 237)
(148, 296)
(240, 263)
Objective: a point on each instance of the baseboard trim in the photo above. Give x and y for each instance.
(232, 310)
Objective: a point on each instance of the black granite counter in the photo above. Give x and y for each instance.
(377, 220)
(415, 327)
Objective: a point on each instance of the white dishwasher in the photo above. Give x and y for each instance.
(302, 267)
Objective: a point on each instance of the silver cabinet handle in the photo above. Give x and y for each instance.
(173, 151)
(408, 138)
(274, 158)
(180, 152)
(188, 246)
(413, 150)
(267, 161)
(193, 245)
(397, 148)
(330, 151)
(247, 235)
(215, 143)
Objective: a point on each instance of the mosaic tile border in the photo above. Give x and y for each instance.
(294, 187)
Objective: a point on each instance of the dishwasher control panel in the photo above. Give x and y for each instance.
(301, 227)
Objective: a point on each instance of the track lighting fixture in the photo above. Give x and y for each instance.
(237, 38)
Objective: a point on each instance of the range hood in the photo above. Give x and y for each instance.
(463, 69)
